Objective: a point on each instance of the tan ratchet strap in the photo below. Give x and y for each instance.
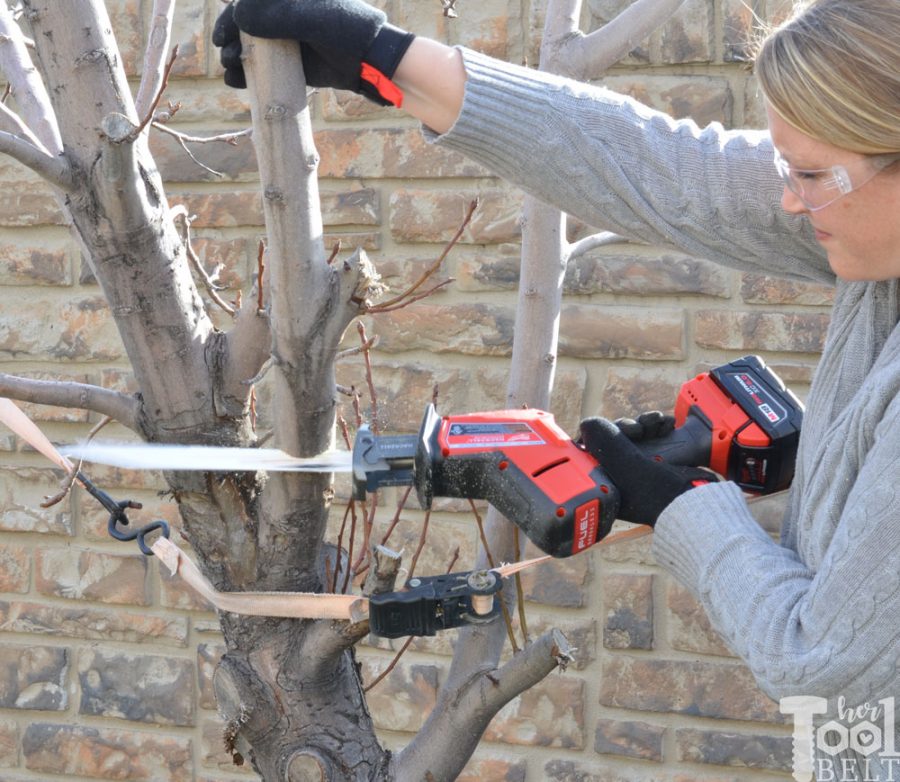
(25, 428)
(310, 605)
(295, 605)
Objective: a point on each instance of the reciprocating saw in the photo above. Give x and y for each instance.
(739, 420)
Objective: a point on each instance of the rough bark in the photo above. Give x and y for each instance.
(248, 532)
(291, 689)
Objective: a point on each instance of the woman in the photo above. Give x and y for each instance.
(818, 613)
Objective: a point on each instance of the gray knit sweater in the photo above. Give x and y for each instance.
(818, 614)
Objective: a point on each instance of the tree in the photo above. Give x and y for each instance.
(290, 689)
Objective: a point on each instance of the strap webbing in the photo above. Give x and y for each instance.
(299, 605)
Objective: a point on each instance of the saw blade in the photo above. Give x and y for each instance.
(205, 458)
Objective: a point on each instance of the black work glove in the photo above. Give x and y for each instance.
(646, 486)
(647, 426)
(344, 44)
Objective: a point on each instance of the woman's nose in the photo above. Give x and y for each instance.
(791, 202)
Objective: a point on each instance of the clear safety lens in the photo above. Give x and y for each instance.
(821, 187)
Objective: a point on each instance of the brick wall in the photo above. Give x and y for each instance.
(105, 664)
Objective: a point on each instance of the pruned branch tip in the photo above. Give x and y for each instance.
(408, 297)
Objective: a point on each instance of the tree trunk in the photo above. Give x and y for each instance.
(290, 690)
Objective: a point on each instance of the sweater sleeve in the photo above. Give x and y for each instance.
(620, 166)
(826, 631)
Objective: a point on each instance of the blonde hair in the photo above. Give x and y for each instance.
(833, 72)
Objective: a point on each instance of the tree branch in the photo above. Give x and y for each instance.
(475, 705)
(588, 243)
(147, 118)
(13, 123)
(184, 139)
(407, 296)
(589, 56)
(226, 138)
(54, 169)
(27, 84)
(211, 288)
(122, 407)
(155, 56)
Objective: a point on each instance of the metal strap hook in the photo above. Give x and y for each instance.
(117, 516)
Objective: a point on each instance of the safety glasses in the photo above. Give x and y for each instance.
(821, 187)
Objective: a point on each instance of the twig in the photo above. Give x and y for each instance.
(373, 396)
(197, 161)
(423, 535)
(393, 664)
(369, 517)
(406, 302)
(369, 509)
(184, 139)
(484, 542)
(409, 640)
(226, 138)
(263, 370)
(328, 570)
(351, 508)
(148, 118)
(208, 282)
(345, 431)
(430, 271)
(163, 117)
(341, 355)
(100, 425)
(334, 252)
(253, 414)
(346, 583)
(362, 563)
(68, 483)
(72, 475)
(396, 518)
(260, 273)
(520, 592)
(356, 409)
(264, 438)
(340, 544)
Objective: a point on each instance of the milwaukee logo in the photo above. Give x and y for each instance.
(587, 517)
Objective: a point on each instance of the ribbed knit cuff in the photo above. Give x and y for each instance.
(498, 104)
(696, 528)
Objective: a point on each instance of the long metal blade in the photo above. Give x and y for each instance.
(204, 458)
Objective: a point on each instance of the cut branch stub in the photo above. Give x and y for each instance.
(307, 766)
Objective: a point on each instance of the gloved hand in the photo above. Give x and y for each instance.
(648, 426)
(646, 486)
(345, 44)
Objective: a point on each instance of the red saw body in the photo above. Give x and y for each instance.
(739, 420)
